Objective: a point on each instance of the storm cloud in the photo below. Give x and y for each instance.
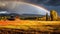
(45, 2)
(48, 4)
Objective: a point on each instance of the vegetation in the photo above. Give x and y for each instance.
(47, 17)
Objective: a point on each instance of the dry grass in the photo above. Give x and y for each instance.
(28, 24)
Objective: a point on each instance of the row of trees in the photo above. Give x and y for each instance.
(7, 18)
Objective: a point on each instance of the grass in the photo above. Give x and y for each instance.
(28, 24)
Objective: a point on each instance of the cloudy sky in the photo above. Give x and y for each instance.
(48, 4)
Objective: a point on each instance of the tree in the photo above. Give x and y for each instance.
(53, 15)
(47, 17)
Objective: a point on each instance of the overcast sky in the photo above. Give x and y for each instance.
(48, 4)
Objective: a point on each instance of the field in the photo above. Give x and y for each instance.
(31, 25)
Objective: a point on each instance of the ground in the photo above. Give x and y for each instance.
(31, 25)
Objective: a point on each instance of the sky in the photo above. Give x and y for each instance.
(48, 4)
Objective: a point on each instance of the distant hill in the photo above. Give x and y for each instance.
(22, 15)
(32, 15)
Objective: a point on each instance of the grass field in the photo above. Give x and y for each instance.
(29, 25)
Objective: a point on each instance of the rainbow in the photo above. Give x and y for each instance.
(31, 5)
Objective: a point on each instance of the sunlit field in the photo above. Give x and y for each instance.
(30, 24)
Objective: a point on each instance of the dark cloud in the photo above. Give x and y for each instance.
(46, 2)
(53, 2)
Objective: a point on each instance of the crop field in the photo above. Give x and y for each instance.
(29, 26)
